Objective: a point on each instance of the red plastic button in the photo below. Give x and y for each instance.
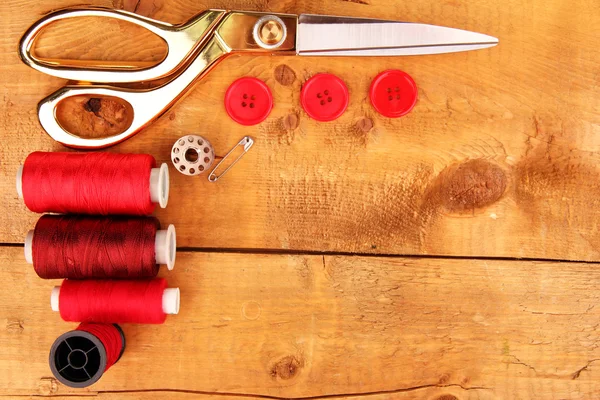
(393, 93)
(324, 97)
(248, 101)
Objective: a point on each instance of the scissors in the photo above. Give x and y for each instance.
(197, 45)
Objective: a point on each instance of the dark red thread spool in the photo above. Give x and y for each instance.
(111, 301)
(80, 357)
(93, 183)
(84, 247)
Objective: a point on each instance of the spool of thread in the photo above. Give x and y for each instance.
(84, 247)
(110, 301)
(92, 183)
(80, 357)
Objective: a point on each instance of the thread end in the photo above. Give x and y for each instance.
(54, 296)
(20, 182)
(170, 301)
(159, 185)
(165, 246)
(29, 247)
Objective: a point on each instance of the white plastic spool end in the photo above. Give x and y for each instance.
(159, 185)
(29, 247)
(165, 247)
(54, 298)
(170, 301)
(20, 182)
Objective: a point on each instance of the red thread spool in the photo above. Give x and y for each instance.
(110, 301)
(92, 183)
(80, 357)
(83, 247)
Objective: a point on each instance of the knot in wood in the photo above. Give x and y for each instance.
(286, 368)
(284, 75)
(470, 185)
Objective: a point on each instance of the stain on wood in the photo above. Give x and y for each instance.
(364, 125)
(447, 397)
(468, 186)
(284, 75)
(290, 121)
(147, 8)
(286, 368)
(94, 117)
(47, 386)
(14, 325)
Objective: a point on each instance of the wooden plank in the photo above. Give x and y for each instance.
(310, 326)
(499, 157)
(434, 393)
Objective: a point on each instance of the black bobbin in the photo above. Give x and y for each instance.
(78, 358)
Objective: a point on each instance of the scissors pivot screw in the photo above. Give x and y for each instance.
(269, 32)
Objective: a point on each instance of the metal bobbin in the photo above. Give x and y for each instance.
(192, 155)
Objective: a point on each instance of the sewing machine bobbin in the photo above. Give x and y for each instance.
(192, 155)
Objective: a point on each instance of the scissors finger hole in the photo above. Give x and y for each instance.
(94, 116)
(71, 41)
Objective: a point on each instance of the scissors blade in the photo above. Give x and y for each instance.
(320, 35)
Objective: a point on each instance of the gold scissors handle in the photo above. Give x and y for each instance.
(147, 105)
(233, 32)
(181, 41)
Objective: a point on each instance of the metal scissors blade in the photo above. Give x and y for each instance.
(320, 35)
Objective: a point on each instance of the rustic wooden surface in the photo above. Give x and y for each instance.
(309, 326)
(498, 158)
(498, 161)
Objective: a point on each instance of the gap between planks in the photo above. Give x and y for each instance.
(300, 252)
(260, 396)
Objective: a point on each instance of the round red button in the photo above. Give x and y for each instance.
(248, 101)
(324, 97)
(393, 93)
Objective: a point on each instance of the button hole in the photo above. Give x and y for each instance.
(244, 104)
(253, 97)
(326, 92)
(319, 95)
(322, 102)
(390, 98)
(245, 96)
(398, 97)
(389, 90)
(329, 99)
(397, 89)
(251, 105)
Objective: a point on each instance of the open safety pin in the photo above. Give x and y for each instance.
(247, 142)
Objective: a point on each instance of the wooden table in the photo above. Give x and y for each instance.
(449, 254)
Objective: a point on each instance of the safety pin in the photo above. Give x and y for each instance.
(247, 142)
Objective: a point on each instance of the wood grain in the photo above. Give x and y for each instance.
(499, 158)
(309, 326)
